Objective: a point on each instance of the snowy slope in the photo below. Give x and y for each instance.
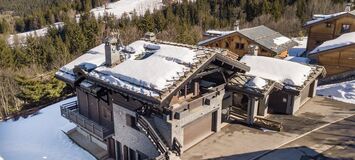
(21, 37)
(344, 92)
(127, 6)
(40, 136)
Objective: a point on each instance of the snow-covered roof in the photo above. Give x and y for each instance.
(127, 6)
(303, 60)
(261, 35)
(324, 17)
(341, 41)
(217, 32)
(257, 82)
(150, 69)
(285, 72)
(22, 37)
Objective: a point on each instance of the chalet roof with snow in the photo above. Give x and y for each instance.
(153, 70)
(252, 85)
(344, 40)
(293, 76)
(261, 35)
(321, 18)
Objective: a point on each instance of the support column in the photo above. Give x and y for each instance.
(252, 110)
(313, 89)
(262, 109)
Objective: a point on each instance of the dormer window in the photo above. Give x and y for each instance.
(345, 28)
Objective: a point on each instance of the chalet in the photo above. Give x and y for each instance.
(336, 55)
(150, 99)
(271, 86)
(264, 40)
(327, 27)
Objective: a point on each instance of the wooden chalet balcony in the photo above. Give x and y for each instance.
(71, 112)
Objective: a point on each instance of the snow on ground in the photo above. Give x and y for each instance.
(287, 72)
(300, 48)
(344, 91)
(40, 136)
(127, 6)
(21, 37)
(341, 41)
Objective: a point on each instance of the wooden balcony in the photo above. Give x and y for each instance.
(71, 112)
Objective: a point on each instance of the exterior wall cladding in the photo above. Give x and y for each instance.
(129, 136)
(169, 129)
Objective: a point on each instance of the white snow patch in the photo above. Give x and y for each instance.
(300, 48)
(344, 91)
(281, 40)
(127, 6)
(22, 37)
(257, 83)
(40, 136)
(303, 60)
(287, 72)
(343, 40)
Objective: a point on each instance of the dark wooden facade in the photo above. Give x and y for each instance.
(337, 60)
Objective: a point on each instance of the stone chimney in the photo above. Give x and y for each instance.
(349, 6)
(253, 50)
(112, 55)
(150, 36)
(236, 25)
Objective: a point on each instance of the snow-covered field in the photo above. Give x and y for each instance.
(21, 37)
(344, 92)
(127, 6)
(40, 136)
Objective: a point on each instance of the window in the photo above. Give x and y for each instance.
(132, 154)
(345, 28)
(227, 45)
(242, 46)
(328, 25)
(131, 121)
(239, 46)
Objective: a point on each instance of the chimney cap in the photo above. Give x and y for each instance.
(111, 40)
(150, 35)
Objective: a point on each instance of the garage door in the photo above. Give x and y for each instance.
(197, 129)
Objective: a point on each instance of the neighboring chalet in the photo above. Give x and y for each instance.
(265, 41)
(331, 42)
(327, 27)
(151, 99)
(272, 86)
(337, 55)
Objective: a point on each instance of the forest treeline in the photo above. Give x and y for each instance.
(27, 70)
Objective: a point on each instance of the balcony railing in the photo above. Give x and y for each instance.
(71, 112)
